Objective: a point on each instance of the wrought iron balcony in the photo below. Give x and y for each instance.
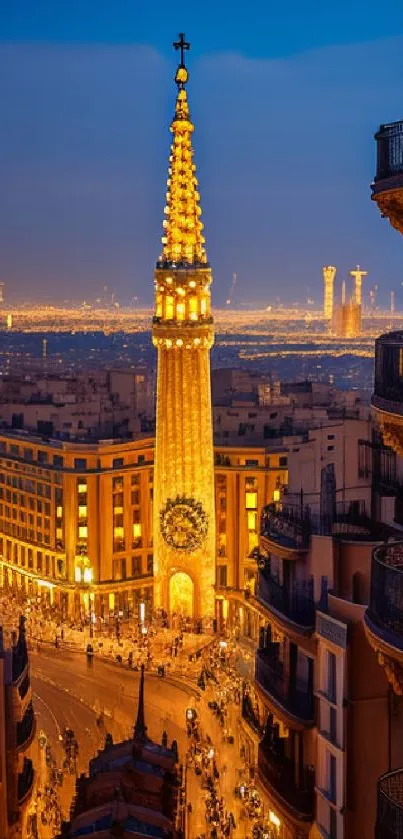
(20, 652)
(387, 189)
(287, 527)
(387, 399)
(294, 695)
(389, 816)
(295, 602)
(25, 781)
(26, 728)
(292, 527)
(250, 715)
(278, 774)
(24, 684)
(384, 616)
(389, 140)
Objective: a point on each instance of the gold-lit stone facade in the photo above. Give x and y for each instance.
(391, 428)
(390, 203)
(184, 514)
(76, 521)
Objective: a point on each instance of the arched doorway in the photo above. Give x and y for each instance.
(181, 594)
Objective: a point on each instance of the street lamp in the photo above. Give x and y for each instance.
(92, 616)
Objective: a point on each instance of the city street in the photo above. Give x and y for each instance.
(70, 692)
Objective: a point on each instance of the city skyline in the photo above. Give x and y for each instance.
(284, 156)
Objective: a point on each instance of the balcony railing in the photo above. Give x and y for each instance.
(24, 684)
(250, 715)
(385, 611)
(295, 696)
(293, 526)
(389, 141)
(286, 527)
(389, 816)
(279, 772)
(296, 602)
(20, 652)
(25, 728)
(25, 781)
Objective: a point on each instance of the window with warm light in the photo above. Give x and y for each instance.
(251, 500)
(77, 574)
(193, 307)
(88, 575)
(203, 306)
(136, 531)
(158, 307)
(169, 308)
(180, 311)
(252, 520)
(82, 531)
(59, 512)
(82, 487)
(276, 495)
(118, 532)
(82, 511)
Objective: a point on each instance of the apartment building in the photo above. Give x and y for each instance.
(319, 690)
(17, 729)
(269, 411)
(76, 520)
(85, 406)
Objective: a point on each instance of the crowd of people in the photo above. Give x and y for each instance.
(201, 759)
(45, 815)
(225, 688)
(213, 664)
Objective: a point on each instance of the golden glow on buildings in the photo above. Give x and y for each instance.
(184, 515)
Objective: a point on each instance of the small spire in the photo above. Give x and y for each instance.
(140, 728)
(183, 241)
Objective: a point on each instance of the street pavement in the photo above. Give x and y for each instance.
(71, 692)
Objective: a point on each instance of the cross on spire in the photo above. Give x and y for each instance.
(182, 45)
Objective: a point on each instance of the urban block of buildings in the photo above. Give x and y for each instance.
(17, 729)
(285, 532)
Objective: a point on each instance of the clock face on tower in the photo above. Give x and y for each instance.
(183, 523)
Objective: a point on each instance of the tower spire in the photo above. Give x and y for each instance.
(140, 728)
(183, 241)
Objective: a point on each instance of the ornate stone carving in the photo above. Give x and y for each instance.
(391, 205)
(183, 524)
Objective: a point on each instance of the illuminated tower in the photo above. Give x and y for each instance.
(184, 515)
(329, 273)
(357, 275)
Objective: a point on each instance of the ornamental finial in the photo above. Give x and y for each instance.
(182, 74)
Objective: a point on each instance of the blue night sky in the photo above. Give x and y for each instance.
(285, 97)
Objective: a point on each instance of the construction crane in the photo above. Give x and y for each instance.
(231, 291)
